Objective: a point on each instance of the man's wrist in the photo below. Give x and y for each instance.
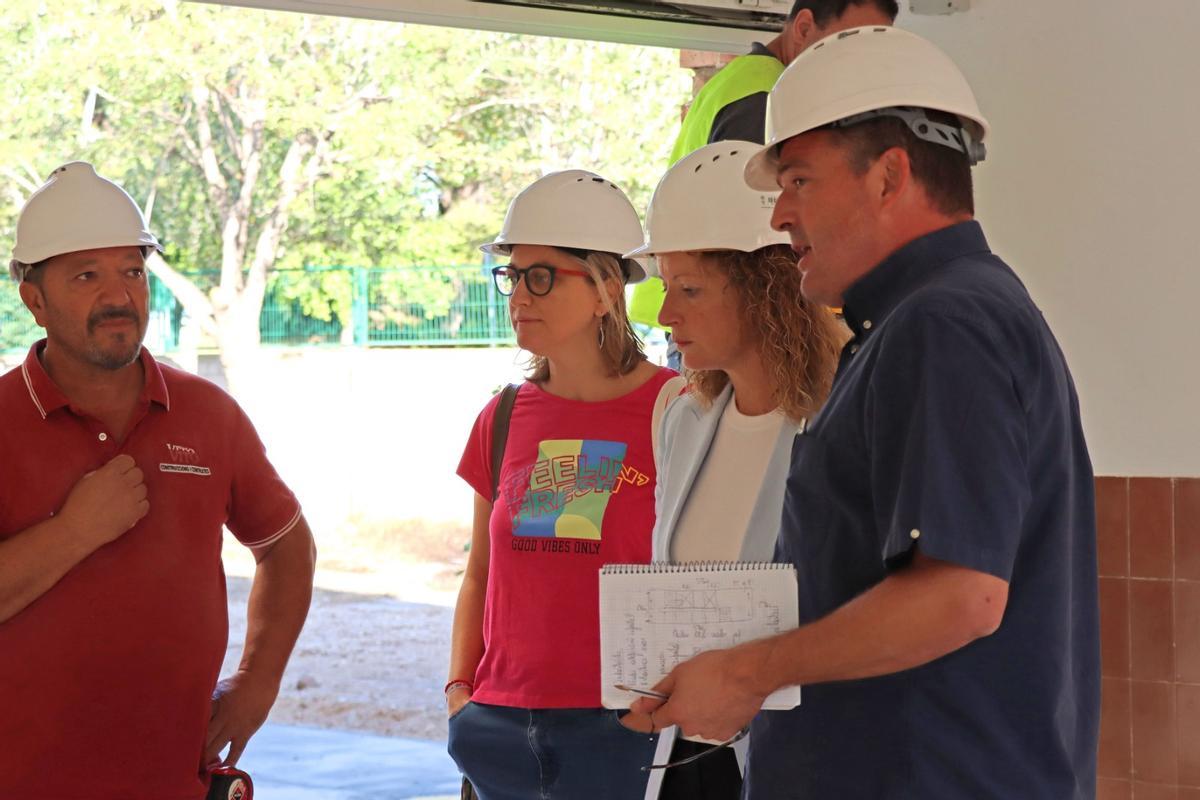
(458, 684)
(257, 678)
(752, 669)
(77, 540)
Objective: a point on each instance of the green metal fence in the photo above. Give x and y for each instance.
(364, 306)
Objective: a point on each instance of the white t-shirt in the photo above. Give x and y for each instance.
(717, 513)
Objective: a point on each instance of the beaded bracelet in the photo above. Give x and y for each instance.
(458, 683)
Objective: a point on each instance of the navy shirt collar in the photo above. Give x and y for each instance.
(868, 302)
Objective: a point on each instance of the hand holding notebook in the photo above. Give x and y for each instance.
(656, 616)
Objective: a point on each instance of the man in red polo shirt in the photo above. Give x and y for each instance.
(117, 477)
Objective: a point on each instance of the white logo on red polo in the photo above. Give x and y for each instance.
(182, 455)
(184, 461)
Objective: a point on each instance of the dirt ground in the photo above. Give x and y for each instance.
(373, 653)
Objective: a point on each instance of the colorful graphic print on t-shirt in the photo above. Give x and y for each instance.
(576, 492)
(566, 492)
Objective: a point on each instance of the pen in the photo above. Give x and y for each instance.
(646, 692)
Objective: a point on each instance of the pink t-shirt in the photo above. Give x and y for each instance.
(576, 493)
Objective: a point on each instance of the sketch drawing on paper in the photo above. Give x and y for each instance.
(699, 606)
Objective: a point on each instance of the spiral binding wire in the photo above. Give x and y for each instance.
(659, 567)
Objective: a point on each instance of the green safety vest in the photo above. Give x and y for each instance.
(740, 78)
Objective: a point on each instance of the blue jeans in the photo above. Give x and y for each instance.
(549, 754)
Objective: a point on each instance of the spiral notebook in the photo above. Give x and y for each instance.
(654, 616)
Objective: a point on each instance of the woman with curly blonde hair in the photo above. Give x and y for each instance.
(796, 342)
(759, 359)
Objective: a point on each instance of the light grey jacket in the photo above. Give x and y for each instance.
(685, 436)
(684, 439)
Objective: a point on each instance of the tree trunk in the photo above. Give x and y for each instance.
(241, 351)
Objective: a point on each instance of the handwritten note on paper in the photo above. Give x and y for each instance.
(654, 617)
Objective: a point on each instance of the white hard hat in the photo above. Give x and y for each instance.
(575, 209)
(76, 209)
(703, 203)
(862, 73)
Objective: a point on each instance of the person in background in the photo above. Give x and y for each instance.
(733, 104)
(759, 359)
(939, 508)
(119, 475)
(575, 491)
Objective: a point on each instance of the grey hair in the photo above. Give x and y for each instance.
(18, 270)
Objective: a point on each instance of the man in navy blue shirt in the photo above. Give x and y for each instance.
(940, 508)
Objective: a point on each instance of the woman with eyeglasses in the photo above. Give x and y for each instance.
(759, 359)
(575, 491)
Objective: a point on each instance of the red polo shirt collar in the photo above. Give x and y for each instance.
(47, 397)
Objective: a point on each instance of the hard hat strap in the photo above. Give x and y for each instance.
(953, 136)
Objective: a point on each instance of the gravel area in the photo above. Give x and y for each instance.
(364, 662)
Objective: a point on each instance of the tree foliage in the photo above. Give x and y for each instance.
(264, 140)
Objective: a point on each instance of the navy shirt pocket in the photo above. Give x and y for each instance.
(828, 543)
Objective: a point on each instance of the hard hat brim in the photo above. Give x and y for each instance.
(638, 267)
(751, 243)
(762, 170)
(496, 248)
(35, 255)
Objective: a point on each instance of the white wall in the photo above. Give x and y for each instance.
(1090, 192)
